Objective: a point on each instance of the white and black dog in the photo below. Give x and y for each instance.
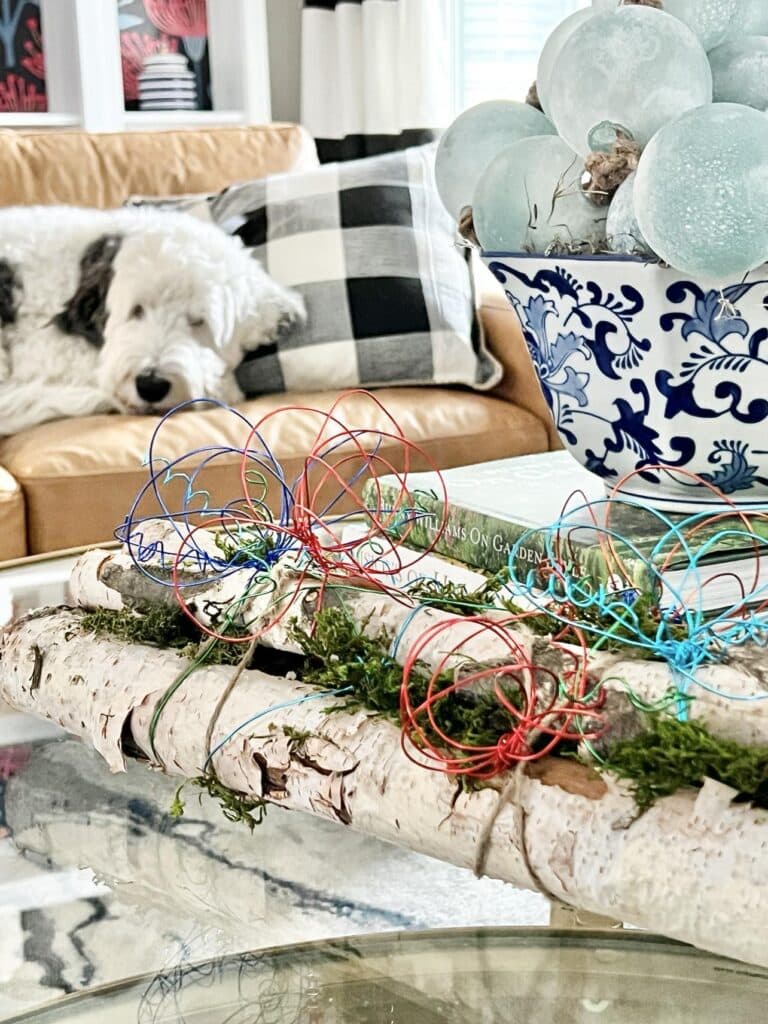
(132, 310)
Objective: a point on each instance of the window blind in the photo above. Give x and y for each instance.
(498, 44)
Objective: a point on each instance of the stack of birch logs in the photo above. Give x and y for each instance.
(692, 867)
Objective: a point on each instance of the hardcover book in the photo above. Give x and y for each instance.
(491, 506)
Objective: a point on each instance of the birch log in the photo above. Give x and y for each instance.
(693, 867)
(730, 698)
(104, 579)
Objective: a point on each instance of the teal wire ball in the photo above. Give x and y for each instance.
(621, 228)
(753, 18)
(740, 71)
(631, 71)
(551, 51)
(711, 20)
(530, 197)
(701, 192)
(474, 139)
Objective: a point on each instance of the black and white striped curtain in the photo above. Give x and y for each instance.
(375, 74)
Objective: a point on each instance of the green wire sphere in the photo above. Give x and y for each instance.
(701, 192)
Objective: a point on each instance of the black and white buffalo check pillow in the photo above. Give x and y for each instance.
(389, 296)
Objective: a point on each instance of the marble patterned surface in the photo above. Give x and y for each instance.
(98, 883)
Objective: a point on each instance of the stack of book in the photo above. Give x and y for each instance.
(493, 505)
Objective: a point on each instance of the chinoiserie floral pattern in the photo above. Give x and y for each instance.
(642, 369)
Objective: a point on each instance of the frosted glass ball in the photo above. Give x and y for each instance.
(474, 139)
(605, 5)
(621, 228)
(633, 70)
(740, 71)
(701, 192)
(530, 196)
(711, 20)
(753, 19)
(551, 52)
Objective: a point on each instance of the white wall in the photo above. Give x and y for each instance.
(284, 19)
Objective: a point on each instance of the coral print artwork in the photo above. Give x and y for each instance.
(22, 66)
(149, 27)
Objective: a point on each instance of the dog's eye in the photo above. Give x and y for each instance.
(137, 312)
(195, 321)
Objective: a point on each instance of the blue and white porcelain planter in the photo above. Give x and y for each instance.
(643, 367)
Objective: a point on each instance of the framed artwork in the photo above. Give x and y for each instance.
(150, 28)
(22, 65)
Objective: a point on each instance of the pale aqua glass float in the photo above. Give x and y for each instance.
(622, 230)
(740, 71)
(632, 70)
(474, 139)
(753, 18)
(711, 20)
(530, 197)
(550, 54)
(701, 192)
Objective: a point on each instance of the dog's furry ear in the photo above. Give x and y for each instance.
(10, 287)
(253, 310)
(85, 314)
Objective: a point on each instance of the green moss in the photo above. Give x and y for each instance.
(160, 626)
(157, 625)
(339, 654)
(673, 754)
(456, 599)
(237, 807)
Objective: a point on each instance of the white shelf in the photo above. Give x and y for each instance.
(38, 120)
(136, 119)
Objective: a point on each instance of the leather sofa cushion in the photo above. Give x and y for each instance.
(13, 539)
(104, 170)
(80, 476)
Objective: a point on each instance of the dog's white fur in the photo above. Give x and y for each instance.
(185, 301)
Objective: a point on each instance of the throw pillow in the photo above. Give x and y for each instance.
(367, 243)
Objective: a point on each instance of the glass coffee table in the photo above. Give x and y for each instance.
(99, 884)
(509, 976)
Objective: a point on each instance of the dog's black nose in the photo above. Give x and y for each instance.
(152, 388)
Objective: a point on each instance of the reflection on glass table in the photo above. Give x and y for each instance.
(512, 976)
(99, 883)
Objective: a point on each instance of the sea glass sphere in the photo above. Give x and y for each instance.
(474, 139)
(740, 71)
(701, 192)
(711, 20)
(621, 228)
(752, 20)
(629, 71)
(530, 198)
(553, 46)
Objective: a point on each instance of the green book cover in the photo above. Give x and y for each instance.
(491, 506)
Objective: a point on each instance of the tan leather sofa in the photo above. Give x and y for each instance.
(69, 483)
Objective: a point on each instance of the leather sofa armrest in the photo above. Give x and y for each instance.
(13, 530)
(504, 339)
